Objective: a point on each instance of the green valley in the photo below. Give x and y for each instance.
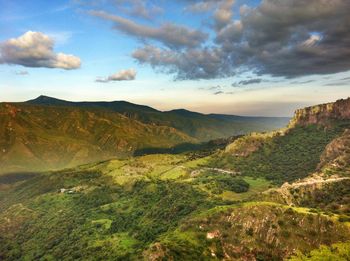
(281, 195)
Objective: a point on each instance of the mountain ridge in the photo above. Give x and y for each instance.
(203, 127)
(48, 100)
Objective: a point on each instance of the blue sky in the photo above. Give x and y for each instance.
(209, 56)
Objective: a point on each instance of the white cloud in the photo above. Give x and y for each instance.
(123, 75)
(35, 49)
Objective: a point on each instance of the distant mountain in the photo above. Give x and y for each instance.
(197, 125)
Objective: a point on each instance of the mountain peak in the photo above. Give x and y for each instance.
(47, 100)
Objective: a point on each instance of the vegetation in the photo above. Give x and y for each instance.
(284, 157)
(339, 252)
(213, 203)
(252, 229)
(218, 183)
(199, 126)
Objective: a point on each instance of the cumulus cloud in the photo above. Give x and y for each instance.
(223, 14)
(295, 38)
(35, 49)
(123, 75)
(189, 64)
(281, 38)
(171, 35)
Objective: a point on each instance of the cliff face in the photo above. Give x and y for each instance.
(321, 114)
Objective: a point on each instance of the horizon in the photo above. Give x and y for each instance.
(204, 56)
(173, 109)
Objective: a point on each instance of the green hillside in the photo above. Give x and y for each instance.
(266, 196)
(47, 133)
(36, 137)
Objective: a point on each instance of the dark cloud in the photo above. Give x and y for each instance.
(172, 35)
(217, 87)
(189, 64)
(302, 82)
(218, 92)
(35, 49)
(337, 84)
(286, 38)
(247, 82)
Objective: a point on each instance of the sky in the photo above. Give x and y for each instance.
(261, 58)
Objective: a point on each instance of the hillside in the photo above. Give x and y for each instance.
(295, 152)
(48, 133)
(266, 196)
(36, 137)
(199, 126)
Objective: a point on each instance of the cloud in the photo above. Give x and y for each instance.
(302, 82)
(189, 64)
(22, 73)
(247, 82)
(123, 75)
(35, 49)
(294, 38)
(139, 8)
(279, 38)
(218, 92)
(337, 84)
(223, 14)
(171, 35)
(201, 6)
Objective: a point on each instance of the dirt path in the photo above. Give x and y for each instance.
(315, 181)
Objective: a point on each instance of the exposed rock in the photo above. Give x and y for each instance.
(246, 145)
(337, 153)
(321, 114)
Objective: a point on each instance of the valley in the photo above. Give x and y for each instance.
(276, 195)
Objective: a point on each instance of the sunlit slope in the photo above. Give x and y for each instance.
(156, 207)
(44, 137)
(268, 196)
(316, 137)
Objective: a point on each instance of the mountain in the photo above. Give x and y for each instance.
(48, 133)
(199, 126)
(35, 137)
(282, 195)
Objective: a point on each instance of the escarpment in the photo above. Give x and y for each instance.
(323, 113)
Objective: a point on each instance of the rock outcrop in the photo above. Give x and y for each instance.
(337, 152)
(323, 113)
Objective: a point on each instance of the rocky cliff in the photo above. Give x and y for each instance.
(323, 113)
